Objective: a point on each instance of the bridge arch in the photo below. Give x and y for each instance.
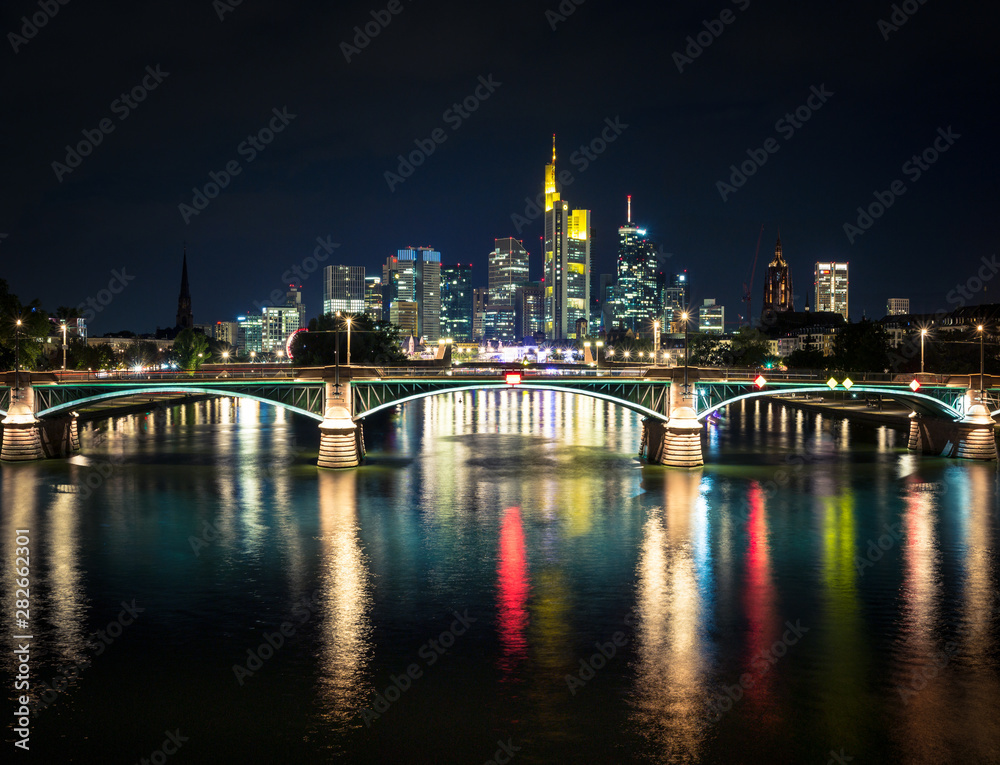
(473, 387)
(920, 403)
(70, 405)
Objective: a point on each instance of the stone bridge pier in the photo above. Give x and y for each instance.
(677, 442)
(27, 438)
(973, 437)
(341, 443)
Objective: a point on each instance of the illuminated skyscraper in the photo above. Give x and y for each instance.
(636, 294)
(831, 287)
(456, 302)
(566, 274)
(508, 269)
(373, 297)
(778, 285)
(414, 276)
(344, 289)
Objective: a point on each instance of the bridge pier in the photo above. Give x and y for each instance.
(22, 435)
(341, 444)
(972, 438)
(677, 442)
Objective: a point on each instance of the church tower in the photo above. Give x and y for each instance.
(184, 318)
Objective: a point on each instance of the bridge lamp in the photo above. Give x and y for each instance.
(982, 360)
(64, 343)
(923, 334)
(684, 318)
(17, 356)
(760, 382)
(253, 355)
(348, 341)
(225, 357)
(626, 354)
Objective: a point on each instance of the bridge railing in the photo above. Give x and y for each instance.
(527, 372)
(125, 375)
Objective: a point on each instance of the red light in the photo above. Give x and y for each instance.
(915, 385)
(760, 382)
(512, 378)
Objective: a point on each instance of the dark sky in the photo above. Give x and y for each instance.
(323, 175)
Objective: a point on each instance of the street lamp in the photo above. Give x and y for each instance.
(982, 362)
(348, 341)
(64, 344)
(656, 341)
(225, 357)
(684, 318)
(253, 355)
(923, 334)
(17, 360)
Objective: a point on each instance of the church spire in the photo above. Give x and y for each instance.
(184, 317)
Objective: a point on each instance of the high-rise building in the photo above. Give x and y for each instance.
(293, 298)
(403, 313)
(508, 267)
(566, 273)
(373, 297)
(636, 306)
(897, 306)
(456, 302)
(419, 282)
(778, 285)
(711, 318)
(606, 298)
(831, 287)
(277, 323)
(226, 332)
(185, 320)
(344, 289)
(529, 314)
(249, 333)
(479, 297)
(500, 323)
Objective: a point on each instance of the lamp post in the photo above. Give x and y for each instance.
(253, 355)
(225, 357)
(17, 361)
(656, 342)
(64, 344)
(982, 361)
(348, 341)
(923, 334)
(684, 318)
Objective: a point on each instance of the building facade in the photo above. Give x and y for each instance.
(456, 302)
(529, 317)
(711, 318)
(897, 307)
(419, 281)
(636, 304)
(343, 289)
(480, 295)
(508, 268)
(373, 297)
(778, 284)
(831, 287)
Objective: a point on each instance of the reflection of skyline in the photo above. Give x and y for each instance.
(513, 588)
(760, 607)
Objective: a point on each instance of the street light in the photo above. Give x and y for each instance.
(982, 362)
(348, 341)
(17, 360)
(64, 344)
(225, 357)
(253, 355)
(656, 341)
(684, 318)
(923, 334)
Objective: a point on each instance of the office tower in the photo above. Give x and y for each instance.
(636, 277)
(456, 302)
(226, 332)
(403, 313)
(249, 333)
(675, 292)
(567, 260)
(373, 297)
(184, 317)
(479, 297)
(344, 289)
(831, 287)
(293, 299)
(529, 315)
(778, 285)
(419, 281)
(277, 323)
(711, 318)
(500, 323)
(897, 306)
(508, 267)
(605, 297)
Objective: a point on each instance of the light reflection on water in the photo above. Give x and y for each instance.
(530, 510)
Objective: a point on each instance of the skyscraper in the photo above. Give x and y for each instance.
(566, 273)
(479, 297)
(344, 289)
(831, 287)
(711, 318)
(420, 283)
(636, 295)
(778, 285)
(529, 314)
(508, 268)
(373, 297)
(456, 302)
(185, 320)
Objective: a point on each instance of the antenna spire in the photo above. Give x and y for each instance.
(553, 148)
(629, 208)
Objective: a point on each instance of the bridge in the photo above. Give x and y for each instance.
(40, 413)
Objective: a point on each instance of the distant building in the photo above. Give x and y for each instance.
(778, 286)
(419, 281)
(249, 336)
(711, 318)
(529, 314)
(343, 289)
(456, 302)
(479, 297)
(606, 298)
(897, 306)
(831, 287)
(403, 313)
(373, 297)
(508, 268)
(675, 295)
(226, 332)
(499, 323)
(635, 307)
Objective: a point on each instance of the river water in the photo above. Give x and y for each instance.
(504, 579)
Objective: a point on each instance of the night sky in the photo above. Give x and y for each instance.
(323, 176)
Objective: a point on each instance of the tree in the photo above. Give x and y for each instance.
(861, 347)
(806, 358)
(34, 327)
(750, 348)
(703, 350)
(191, 349)
(372, 342)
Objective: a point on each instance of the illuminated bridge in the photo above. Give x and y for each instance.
(42, 421)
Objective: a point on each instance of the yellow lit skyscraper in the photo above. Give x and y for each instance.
(566, 277)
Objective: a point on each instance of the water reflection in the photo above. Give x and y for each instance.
(759, 605)
(671, 624)
(512, 596)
